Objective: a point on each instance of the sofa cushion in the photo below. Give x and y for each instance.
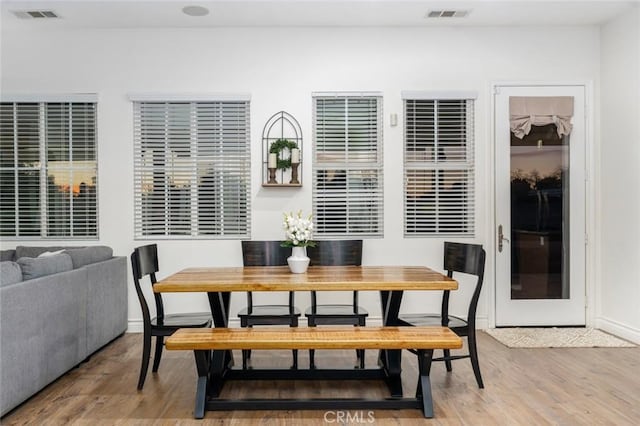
(10, 273)
(33, 251)
(34, 267)
(7, 255)
(87, 255)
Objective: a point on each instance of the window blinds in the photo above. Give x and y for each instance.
(48, 169)
(192, 169)
(439, 167)
(347, 169)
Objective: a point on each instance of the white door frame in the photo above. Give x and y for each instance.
(591, 268)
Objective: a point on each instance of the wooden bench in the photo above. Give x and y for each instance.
(421, 340)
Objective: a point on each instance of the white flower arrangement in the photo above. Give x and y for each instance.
(298, 230)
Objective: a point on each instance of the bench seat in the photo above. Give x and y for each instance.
(426, 337)
(420, 340)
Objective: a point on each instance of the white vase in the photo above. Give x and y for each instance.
(298, 261)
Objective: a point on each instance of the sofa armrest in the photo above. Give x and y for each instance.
(106, 301)
(43, 333)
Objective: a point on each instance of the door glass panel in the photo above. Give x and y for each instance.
(540, 214)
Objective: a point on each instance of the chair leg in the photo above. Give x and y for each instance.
(312, 363)
(312, 352)
(447, 361)
(146, 353)
(473, 352)
(246, 354)
(158, 354)
(245, 358)
(360, 355)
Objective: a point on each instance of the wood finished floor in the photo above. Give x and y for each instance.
(576, 386)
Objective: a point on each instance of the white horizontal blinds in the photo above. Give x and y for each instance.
(48, 169)
(347, 169)
(71, 202)
(192, 169)
(439, 167)
(20, 169)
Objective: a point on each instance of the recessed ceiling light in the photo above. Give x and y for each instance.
(195, 10)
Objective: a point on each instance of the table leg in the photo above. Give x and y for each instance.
(391, 360)
(423, 391)
(220, 360)
(202, 366)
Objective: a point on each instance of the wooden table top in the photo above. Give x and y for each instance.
(320, 278)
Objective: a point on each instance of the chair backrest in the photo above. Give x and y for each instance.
(264, 253)
(467, 259)
(144, 262)
(336, 253)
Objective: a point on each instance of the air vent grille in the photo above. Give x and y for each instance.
(447, 14)
(35, 14)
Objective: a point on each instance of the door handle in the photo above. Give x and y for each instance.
(501, 238)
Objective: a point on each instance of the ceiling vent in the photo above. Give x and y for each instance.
(447, 14)
(35, 14)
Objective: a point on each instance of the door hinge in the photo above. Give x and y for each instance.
(586, 239)
(496, 90)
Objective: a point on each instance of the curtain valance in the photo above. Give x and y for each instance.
(525, 112)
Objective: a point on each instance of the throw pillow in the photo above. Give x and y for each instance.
(35, 267)
(7, 255)
(10, 273)
(87, 255)
(34, 251)
(50, 253)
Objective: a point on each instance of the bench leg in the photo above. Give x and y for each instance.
(424, 382)
(202, 366)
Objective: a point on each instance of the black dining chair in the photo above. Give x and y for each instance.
(144, 262)
(336, 253)
(466, 259)
(267, 253)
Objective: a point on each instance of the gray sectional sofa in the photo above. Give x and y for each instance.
(57, 306)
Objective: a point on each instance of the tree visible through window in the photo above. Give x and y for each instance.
(48, 169)
(192, 165)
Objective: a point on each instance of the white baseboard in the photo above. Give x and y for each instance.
(618, 329)
(135, 326)
(482, 323)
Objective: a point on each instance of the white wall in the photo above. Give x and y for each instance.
(619, 293)
(281, 67)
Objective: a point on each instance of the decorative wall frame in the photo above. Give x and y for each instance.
(282, 151)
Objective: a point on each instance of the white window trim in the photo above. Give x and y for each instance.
(189, 97)
(431, 95)
(50, 98)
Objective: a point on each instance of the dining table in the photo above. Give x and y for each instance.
(390, 281)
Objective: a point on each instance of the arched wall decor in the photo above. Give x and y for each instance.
(282, 151)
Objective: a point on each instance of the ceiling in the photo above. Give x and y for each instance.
(278, 13)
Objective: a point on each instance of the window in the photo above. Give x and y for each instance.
(438, 164)
(347, 165)
(48, 168)
(192, 169)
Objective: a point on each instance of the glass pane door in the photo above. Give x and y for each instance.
(540, 214)
(540, 207)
